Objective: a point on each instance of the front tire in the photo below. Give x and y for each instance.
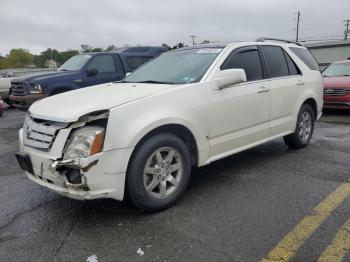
(158, 173)
(303, 130)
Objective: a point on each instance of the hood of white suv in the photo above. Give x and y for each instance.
(69, 106)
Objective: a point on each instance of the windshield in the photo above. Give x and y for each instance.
(176, 67)
(337, 70)
(74, 63)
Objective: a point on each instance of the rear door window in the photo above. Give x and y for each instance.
(246, 58)
(306, 57)
(276, 62)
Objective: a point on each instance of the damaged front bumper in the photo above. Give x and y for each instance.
(99, 176)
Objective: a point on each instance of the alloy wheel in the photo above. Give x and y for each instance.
(163, 172)
(305, 127)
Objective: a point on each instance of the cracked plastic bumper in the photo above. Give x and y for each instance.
(103, 175)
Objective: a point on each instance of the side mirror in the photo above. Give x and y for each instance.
(91, 72)
(229, 77)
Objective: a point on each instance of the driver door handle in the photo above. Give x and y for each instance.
(263, 89)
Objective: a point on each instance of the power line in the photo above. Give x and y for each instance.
(346, 28)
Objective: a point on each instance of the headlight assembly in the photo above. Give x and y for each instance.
(85, 142)
(36, 89)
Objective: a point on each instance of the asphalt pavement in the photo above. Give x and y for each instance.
(241, 208)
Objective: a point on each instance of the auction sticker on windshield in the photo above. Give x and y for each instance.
(209, 51)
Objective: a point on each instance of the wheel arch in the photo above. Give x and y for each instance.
(313, 103)
(179, 130)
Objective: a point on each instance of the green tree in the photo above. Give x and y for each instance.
(49, 53)
(96, 49)
(179, 45)
(167, 46)
(19, 58)
(110, 48)
(64, 56)
(4, 64)
(205, 42)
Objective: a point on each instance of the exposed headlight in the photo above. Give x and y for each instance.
(85, 142)
(36, 89)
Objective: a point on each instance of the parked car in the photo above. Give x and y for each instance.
(336, 79)
(1, 106)
(187, 108)
(5, 84)
(80, 71)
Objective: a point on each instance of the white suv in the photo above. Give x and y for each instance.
(140, 137)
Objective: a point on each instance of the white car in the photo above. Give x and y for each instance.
(5, 85)
(139, 138)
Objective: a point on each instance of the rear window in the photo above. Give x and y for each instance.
(306, 57)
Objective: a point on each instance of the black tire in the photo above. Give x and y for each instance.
(136, 191)
(296, 140)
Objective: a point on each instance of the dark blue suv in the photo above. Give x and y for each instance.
(80, 71)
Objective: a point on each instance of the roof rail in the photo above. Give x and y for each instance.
(264, 39)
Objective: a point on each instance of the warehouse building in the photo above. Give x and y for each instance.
(330, 51)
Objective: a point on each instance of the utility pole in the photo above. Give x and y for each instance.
(347, 21)
(193, 37)
(298, 21)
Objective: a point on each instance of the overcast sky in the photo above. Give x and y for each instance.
(66, 24)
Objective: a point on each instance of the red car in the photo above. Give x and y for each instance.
(1, 106)
(336, 80)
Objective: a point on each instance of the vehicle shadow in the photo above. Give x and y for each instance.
(337, 112)
(229, 170)
(335, 116)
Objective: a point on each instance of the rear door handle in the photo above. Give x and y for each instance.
(300, 83)
(263, 89)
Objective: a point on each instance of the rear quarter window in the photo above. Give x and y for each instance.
(293, 68)
(306, 57)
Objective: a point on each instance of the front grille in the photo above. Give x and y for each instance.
(40, 134)
(335, 91)
(18, 89)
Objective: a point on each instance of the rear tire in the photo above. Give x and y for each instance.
(303, 130)
(158, 173)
